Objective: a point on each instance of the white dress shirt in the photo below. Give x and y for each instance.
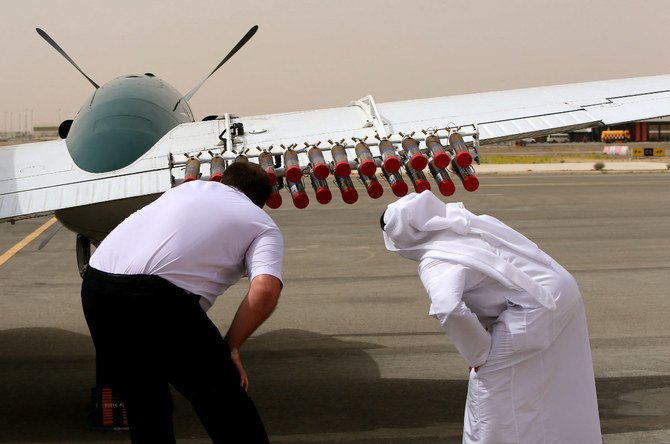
(201, 236)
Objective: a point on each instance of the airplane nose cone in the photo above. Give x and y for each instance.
(111, 142)
(121, 121)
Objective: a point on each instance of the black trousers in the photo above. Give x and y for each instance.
(150, 334)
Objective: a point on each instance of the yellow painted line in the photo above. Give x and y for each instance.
(7, 255)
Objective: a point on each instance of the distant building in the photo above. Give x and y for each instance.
(651, 130)
(45, 132)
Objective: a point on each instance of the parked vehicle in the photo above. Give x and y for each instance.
(558, 138)
(609, 136)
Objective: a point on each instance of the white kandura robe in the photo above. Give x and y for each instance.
(510, 310)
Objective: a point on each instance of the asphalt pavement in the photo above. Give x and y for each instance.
(350, 355)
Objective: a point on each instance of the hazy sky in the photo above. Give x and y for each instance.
(321, 53)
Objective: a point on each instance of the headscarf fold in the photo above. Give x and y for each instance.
(421, 226)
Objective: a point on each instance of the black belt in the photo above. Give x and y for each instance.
(123, 278)
(137, 279)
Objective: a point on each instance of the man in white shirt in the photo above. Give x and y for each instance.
(146, 292)
(513, 313)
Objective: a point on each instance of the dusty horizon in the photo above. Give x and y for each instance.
(319, 54)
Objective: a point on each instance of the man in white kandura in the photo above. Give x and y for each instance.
(514, 314)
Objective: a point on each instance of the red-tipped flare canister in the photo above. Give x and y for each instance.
(292, 167)
(366, 161)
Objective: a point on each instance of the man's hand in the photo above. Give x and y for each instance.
(244, 379)
(256, 307)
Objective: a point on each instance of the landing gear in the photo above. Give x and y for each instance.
(83, 253)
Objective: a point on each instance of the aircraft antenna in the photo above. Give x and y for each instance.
(51, 41)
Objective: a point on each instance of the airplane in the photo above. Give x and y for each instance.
(136, 137)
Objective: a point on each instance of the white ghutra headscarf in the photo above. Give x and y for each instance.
(421, 226)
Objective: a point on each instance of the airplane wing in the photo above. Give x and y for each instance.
(37, 179)
(499, 116)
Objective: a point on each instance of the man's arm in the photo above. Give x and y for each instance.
(254, 309)
(445, 283)
(468, 335)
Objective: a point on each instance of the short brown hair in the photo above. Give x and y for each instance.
(250, 179)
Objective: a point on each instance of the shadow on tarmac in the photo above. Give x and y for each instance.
(302, 383)
(311, 383)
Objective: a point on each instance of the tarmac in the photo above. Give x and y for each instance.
(350, 355)
(608, 166)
